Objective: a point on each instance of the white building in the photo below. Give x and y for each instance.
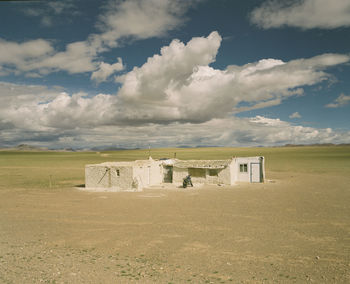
(134, 176)
(120, 176)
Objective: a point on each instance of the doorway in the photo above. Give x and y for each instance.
(168, 174)
(255, 172)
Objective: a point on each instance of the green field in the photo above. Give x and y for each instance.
(33, 169)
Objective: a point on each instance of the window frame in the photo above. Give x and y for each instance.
(197, 172)
(213, 172)
(243, 168)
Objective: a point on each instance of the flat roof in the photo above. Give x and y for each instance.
(202, 164)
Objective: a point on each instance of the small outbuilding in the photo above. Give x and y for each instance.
(124, 176)
(136, 175)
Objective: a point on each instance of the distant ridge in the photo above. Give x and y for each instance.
(110, 148)
(26, 147)
(207, 146)
(198, 146)
(30, 148)
(316, 145)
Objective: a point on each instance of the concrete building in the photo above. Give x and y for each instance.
(134, 176)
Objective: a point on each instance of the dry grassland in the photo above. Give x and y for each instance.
(295, 228)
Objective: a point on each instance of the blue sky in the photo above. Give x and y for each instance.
(131, 73)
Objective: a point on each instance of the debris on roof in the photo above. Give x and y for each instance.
(202, 164)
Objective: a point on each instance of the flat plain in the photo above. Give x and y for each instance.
(294, 228)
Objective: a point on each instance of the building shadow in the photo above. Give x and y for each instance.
(80, 185)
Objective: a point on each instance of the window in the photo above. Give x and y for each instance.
(243, 168)
(195, 172)
(118, 173)
(213, 173)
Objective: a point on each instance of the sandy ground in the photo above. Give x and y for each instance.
(293, 229)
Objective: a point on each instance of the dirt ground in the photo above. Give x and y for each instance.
(295, 228)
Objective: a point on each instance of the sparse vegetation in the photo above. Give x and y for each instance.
(292, 229)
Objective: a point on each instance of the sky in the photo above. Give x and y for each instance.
(168, 73)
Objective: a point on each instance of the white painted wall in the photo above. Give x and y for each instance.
(106, 176)
(233, 171)
(148, 173)
(179, 174)
(124, 180)
(96, 176)
(139, 174)
(156, 173)
(225, 176)
(214, 179)
(246, 176)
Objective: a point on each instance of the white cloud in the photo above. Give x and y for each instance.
(275, 122)
(224, 132)
(140, 19)
(341, 101)
(178, 84)
(135, 19)
(39, 56)
(175, 96)
(18, 54)
(106, 70)
(20, 104)
(295, 115)
(281, 132)
(40, 116)
(70, 112)
(305, 14)
(77, 58)
(159, 81)
(15, 95)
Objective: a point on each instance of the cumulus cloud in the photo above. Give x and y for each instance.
(223, 132)
(140, 19)
(179, 83)
(281, 132)
(341, 101)
(159, 86)
(230, 131)
(135, 19)
(20, 102)
(40, 57)
(295, 115)
(40, 116)
(15, 52)
(77, 58)
(176, 91)
(305, 14)
(15, 56)
(106, 70)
